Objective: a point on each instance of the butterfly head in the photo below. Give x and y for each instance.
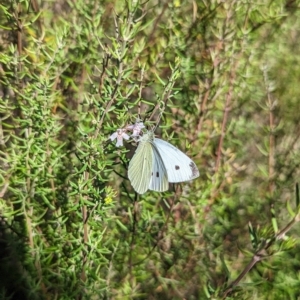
(147, 137)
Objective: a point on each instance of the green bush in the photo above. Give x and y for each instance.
(218, 79)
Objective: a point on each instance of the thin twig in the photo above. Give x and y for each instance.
(259, 254)
(204, 106)
(271, 106)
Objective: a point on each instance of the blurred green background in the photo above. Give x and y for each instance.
(220, 81)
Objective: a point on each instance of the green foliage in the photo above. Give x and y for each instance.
(217, 78)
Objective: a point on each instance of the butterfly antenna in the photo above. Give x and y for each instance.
(139, 110)
(157, 122)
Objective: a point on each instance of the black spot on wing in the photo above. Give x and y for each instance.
(177, 167)
(194, 169)
(156, 174)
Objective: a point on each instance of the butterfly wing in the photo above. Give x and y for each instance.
(140, 167)
(159, 179)
(179, 167)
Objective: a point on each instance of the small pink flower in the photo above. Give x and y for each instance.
(119, 135)
(136, 128)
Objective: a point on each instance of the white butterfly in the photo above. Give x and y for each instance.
(156, 163)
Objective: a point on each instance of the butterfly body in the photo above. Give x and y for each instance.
(156, 163)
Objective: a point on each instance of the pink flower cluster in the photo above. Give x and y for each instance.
(121, 134)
